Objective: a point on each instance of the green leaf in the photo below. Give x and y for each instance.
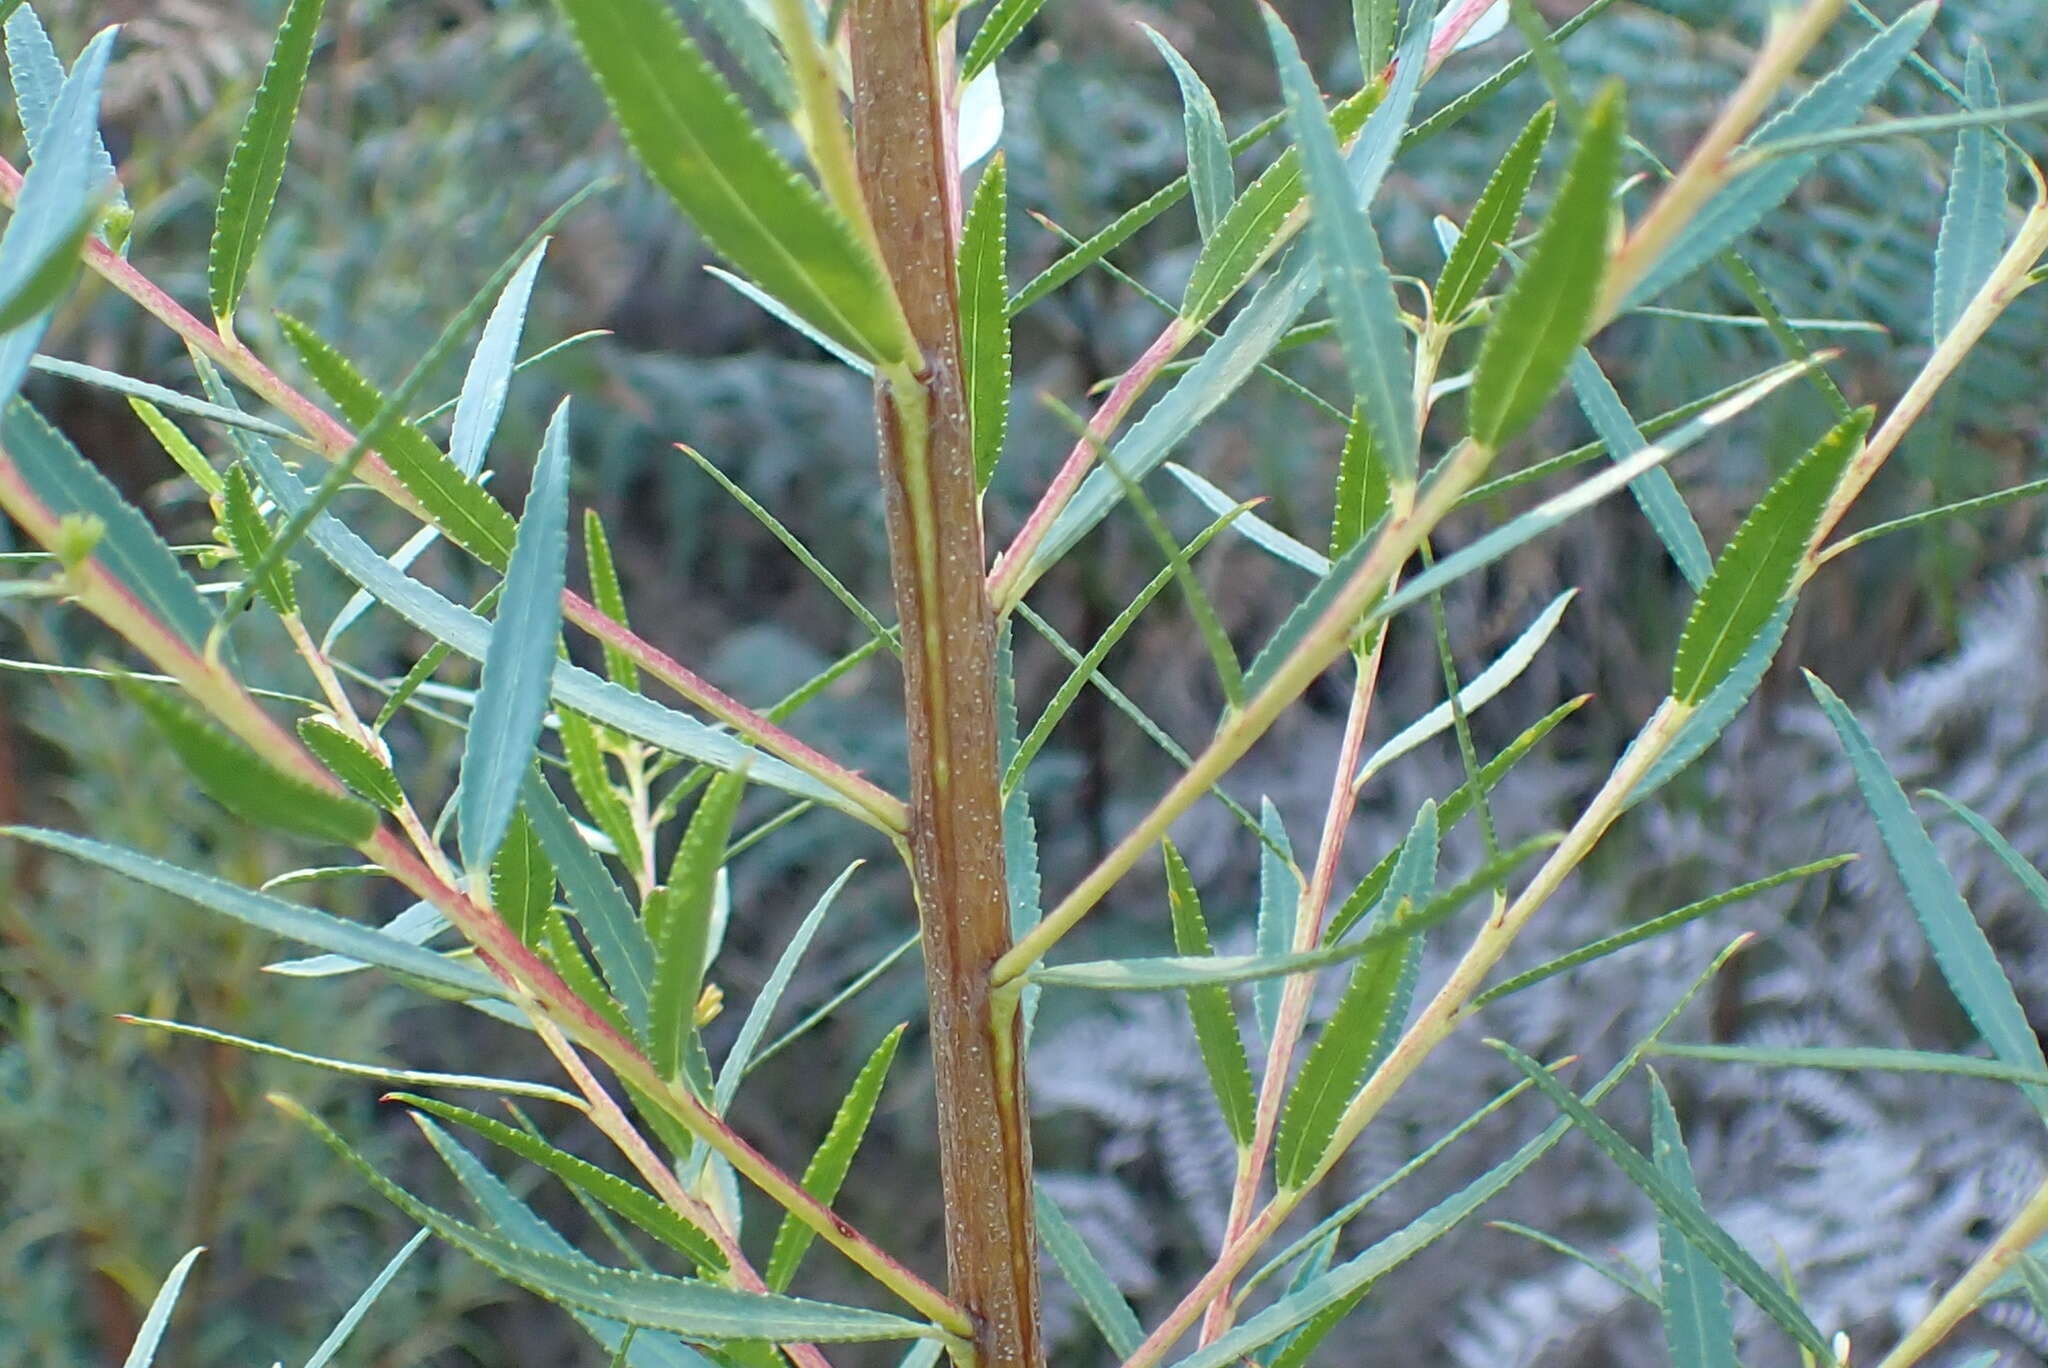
(1478, 249)
(38, 77)
(1363, 489)
(1356, 283)
(481, 402)
(522, 880)
(1367, 1020)
(1168, 973)
(512, 696)
(143, 1352)
(740, 1056)
(700, 144)
(1961, 949)
(1296, 626)
(1538, 326)
(616, 936)
(1853, 1060)
(583, 749)
(693, 1309)
(1211, 179)
(985, 316)
(42, 285)
(245, 783)
(609, 598)
(179, 448)
(1215, 1020)
(1719, 708)
(1656, 493)
(782, 313)
(1757, 571)
(637, 1205)
(128, 548)
(249, 535)
(1085, 1274)
(272, 915)
(828, 1167)
(458, 505)
(366, 774)
(1255, 529)
(162, 398)
(360, 1308)
(1699, 1329)
(747, 33)
(1006, 19)
(412, 1078)
(2030, 878)
(1973, 221)
(1279, 910)
(1372, 21)
(1835, 101)
(679, 915)
(1682, 1211)
(1654, 927)
(256, 168)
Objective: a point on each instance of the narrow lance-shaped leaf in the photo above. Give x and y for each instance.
(180, 448)
(701, 145)
(1364, 492)
(2029, 877)
(1006, 19)
(679, 916)
(1655, 493)
(249, 535)
(142, 1353)
(1085, 1274)
(696, 1310)
(522, 879)
(610, 599)
(1539, 325)
(828, 1167)
(37, 74)
(1215, 1020)
(1961, 949)
(1758, 570)
(1279, 910)
(1211, 181)
(637, 1205)
(1369, 1016)
(1372, 21)
(1699, 1329)
(985, 316)
(481, 402)
(512, 696)
(366, 773)
(256, 168)
(1684, 1213)
(1973, 220)
(1356, 282)
(273, 915)
(1478, 249)
(616, 937)
(741, 1055)
(360, 1308)
(246, 784)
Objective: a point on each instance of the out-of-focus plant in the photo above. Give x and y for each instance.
(598, 928)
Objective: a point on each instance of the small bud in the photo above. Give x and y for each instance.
(710, 1003)
(78, 535)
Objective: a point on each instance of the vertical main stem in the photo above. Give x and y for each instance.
(936, 552)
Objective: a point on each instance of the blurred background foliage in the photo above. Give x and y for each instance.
(438, 131)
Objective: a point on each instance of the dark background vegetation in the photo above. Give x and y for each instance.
(438, 131)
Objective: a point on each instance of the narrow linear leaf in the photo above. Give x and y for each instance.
(458, 505)
(1850, 1060)
(1478, 250)
(273, 915)
(1169, 973)
(583, 750)
(1656, 493)
(180, 448)
(609, 597)
(741, 1055)
(1255, 529)
(249, 536)
(360, 1308)
(1538, 326)
(1085, 1274)
(1364, 489)
(1368, 1018)
(256, 168)
(1973, 220)
(1006, 19)
(366, 774)
(2030, 878)
(1961, 949)
(410, 1078)
(481, 402)
(522, 880)
(1684, 1214)
(693, 1309)
(616, 936)
(1211, 180)
(162, 397)
(1279, 910)
(679, 921)
(1356, 283)
(245, 783)
(158, 1318)
(782, 313)
(1757, 571)
(834, 1157)
(637, 1205)
(37, 74)
(1215, 1021)
(699, 143)
(512, 696)
(985, 316)
(1722, 705)
(1699, 1328)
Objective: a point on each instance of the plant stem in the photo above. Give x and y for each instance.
(955, 843)
(1959, 1301)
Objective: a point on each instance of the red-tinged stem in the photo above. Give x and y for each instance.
(333, 439)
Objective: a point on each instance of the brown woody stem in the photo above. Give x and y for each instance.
(955, 841)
